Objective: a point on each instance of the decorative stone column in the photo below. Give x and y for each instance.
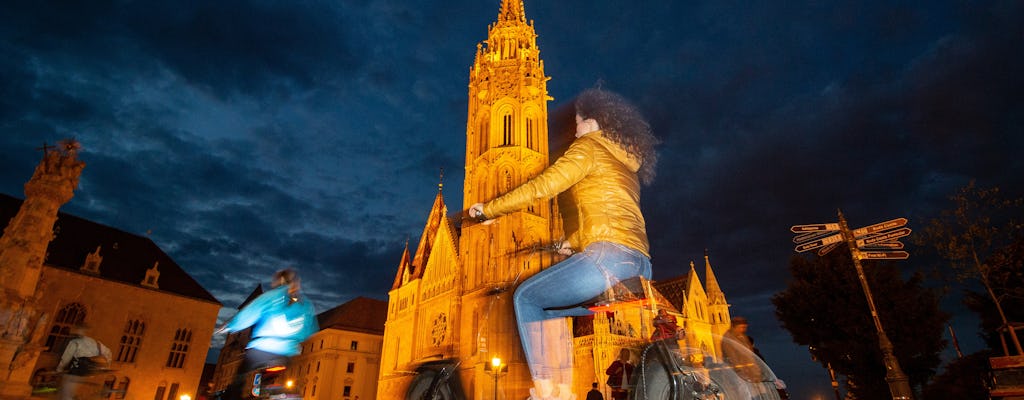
(22, 253)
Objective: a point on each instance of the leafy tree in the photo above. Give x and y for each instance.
(1012, 302)
(981, 237)
(964, 378)
(824, 308)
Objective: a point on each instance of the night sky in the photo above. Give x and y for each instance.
(247, 136)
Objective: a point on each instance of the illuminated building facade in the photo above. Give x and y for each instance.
(443, 303)
(60, 270)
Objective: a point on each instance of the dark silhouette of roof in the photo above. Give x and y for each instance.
(252, 296)
(361, 314)
(126, 256)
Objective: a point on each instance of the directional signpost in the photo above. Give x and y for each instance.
(883, 237)
(873, 242)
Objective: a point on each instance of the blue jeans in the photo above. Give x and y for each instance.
(546, 339)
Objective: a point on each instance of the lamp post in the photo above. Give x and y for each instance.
(495, 368)
(899, 385)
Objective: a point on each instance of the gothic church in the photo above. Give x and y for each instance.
(451, 298)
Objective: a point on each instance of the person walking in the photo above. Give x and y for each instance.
(594, 394)
(602, 171)
(738, 351)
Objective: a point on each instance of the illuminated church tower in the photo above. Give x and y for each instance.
(442, 303)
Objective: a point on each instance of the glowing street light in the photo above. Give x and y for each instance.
(495, 369)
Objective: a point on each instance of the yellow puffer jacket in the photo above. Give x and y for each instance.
(601, 178)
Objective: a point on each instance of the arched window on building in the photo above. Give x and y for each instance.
(131, 339)
(68, 316)
(108, 387)
(179, 348)
(122, 388)
(507, 129)
(483, 135)
(531, 139)
(160, 390)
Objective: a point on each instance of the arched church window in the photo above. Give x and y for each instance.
(483, 135)
(60, 333)
(507, 127)
(131, 339)
(530, 134)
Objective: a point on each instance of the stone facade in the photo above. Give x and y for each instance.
(154, 317)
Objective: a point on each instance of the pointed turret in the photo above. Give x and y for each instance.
(512, 11)
(718, 307)
(403, 267)
(437, 216)
(715, 294)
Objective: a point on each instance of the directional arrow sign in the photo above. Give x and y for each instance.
(828, 248)
(893, 245)
(814, 227)
(820, 242)
(803, 237)
(882, 226)
(883, 237)
(884, 255)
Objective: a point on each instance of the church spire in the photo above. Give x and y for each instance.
(512, 11)
(715, 294)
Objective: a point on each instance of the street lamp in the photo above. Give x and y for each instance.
(495, 369)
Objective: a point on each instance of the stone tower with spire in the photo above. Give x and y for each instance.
(443, 302)
(22, 253)
(718, 308)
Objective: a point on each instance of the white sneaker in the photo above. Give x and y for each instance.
(535, 396)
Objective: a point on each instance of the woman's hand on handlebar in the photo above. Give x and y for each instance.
(476, 212)
(565, 248)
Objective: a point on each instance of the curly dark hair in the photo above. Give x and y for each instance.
(622, 123)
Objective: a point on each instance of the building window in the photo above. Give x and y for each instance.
(482, 135)
(317, 366)
(131, 339)
(529, 134)
(179, 348)
(354, 346)
(347, 391)
(173, 393)
(506, 130)
(71, 315)
(122, 389)
(350, 368)
(313, 393)
(160, 392)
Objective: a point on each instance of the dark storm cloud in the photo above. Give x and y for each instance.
(248, 136)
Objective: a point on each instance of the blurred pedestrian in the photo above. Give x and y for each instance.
(281, 320)
(83, 356)
(619, 374)
(738, 350)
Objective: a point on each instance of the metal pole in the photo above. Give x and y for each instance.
(899, 384)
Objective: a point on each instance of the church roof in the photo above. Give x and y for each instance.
(126, 256)
(252, 296)
(674, 290)
(361, 314)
